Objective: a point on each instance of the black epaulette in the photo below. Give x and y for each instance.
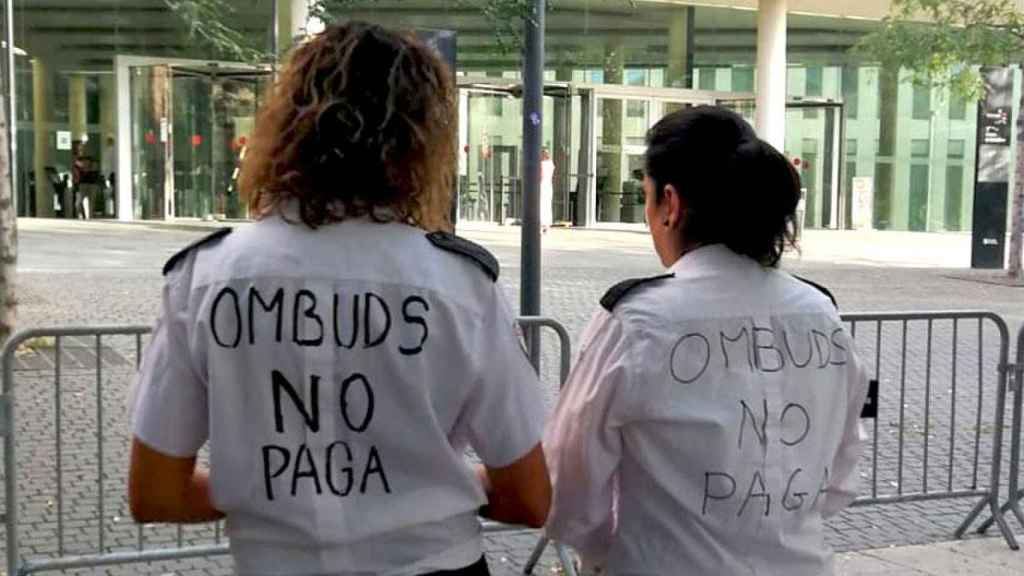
(819, 288)
(619, 291)
(475, 252)
(198, 243)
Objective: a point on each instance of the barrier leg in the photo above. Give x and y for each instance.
(997, 516)
(1013, 505)
(565, 557)
(1015, 447)
(971, 517)
(538, 551)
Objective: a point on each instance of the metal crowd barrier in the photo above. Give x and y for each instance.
(1015, 373)
(67, 555)
(922, 445)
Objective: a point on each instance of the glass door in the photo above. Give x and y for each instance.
(490, 169)
(622, 127)
(813, 142)
(190, 125)
(213, 121)
(193, 186)
(151, 147)
(493, 125)
(615, 124)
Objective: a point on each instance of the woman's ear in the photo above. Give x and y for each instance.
(674, 204)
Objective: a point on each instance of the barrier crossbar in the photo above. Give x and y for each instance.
(942, 398)
(95, 341)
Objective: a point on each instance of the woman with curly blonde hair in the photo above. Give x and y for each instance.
(339, 355)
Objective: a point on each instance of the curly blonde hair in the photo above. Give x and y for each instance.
(361, 122)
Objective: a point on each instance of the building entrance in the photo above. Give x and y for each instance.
(182, 135)
(593, 134)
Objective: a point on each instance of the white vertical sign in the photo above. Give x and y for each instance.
(863, 203)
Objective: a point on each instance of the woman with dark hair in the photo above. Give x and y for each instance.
(339, 355)
(711, 420)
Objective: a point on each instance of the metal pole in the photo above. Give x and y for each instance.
(12, 110)
(275, 36)
(533, 133)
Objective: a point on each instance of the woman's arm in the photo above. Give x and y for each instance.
(163, 488)
(519, 493)
(583, 442)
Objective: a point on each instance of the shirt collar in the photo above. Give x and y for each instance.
(702, 257)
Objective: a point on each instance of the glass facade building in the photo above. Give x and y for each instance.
(129, 104)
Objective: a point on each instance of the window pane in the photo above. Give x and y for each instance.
(636, 77)
(920, 148)
(707, 78)
(954, 197)
(957, 107)
(883, 195)
(636, 108)
(918, 198)
(851, 147)
(815, 75)
(957, 148)
(742, 79)
(922, 103)
(851, 90)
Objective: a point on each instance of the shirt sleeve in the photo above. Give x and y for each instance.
(170, 408)
(843, 481)
(583, 442)
(504, 416)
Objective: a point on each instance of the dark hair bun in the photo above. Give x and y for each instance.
(740, 191)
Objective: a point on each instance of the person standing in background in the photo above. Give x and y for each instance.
(547, 190)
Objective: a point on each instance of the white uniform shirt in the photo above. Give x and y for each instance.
(339, 376)
(710, 423)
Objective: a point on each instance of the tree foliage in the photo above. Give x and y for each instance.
(942, 42)
(211, 21)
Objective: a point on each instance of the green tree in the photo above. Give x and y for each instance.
(943, 43)
(212, 22)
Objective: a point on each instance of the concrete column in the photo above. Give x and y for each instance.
(680, 49)
(41, 132)
(108, 124)
(561, 148)
(77, 114)
(610, 157)
(78, 120)
(771, 72)
(295, 22)
(299, 18)
(888, 143)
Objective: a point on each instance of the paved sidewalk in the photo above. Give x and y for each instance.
(973, 557)
(898, 249)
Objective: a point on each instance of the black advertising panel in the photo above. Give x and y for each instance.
(995, 126)
(991, 187)
(989, 235)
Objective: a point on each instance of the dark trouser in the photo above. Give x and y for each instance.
(478, 568)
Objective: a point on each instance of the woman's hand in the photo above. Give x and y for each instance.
(163, 488)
